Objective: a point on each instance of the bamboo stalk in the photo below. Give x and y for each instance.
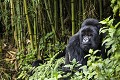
(12, 13)
(100, 7)
(23, 22)
(50, 18)
(73, 17)
(61, 17)
(12, 16)
(48, 13)
(55, 14)
(39, 28)
(35, 25)
(5, 19)
(18, 26)
(83, 9)
(80, 12)
(50, 7)
(28, 23)
(94, 2)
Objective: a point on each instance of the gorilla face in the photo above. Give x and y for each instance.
(89, 38)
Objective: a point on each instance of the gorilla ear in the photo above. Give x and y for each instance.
(74, 43)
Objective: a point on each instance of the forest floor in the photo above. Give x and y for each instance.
(8, 60)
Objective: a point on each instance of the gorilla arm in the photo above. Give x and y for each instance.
(72, 48)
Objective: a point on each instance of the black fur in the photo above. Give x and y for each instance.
(37, 63)
(86, 38)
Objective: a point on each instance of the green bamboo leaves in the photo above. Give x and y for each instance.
(29, 21)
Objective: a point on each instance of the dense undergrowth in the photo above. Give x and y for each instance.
(108, 69)
(16, 59)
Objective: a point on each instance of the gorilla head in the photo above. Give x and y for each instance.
(89, 35)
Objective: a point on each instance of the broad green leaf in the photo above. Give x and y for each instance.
(116, 7)
(107, 40)
(111, 32)
(113, 1)
(95, 51)
(94, 65)
(117, 24)
(110, 42)
(103, 22)
(91, 51)
(104, 30)
(114, 47)
(74, 61)
(110, 22)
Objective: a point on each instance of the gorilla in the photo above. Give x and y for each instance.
(86, 38)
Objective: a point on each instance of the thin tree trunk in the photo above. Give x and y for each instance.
(18, 26)
(28, 23)
(12, 16)
(73, 17)
(35, 25)
(55, 14)
(61, 16)
(50, 18)
(83, 9)
(80, 12)
(100, 6)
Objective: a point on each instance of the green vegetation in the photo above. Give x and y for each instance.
(40, 29)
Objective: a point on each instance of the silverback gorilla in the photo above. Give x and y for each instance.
(86, 38)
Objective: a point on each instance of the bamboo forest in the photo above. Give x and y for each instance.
(59, 39)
